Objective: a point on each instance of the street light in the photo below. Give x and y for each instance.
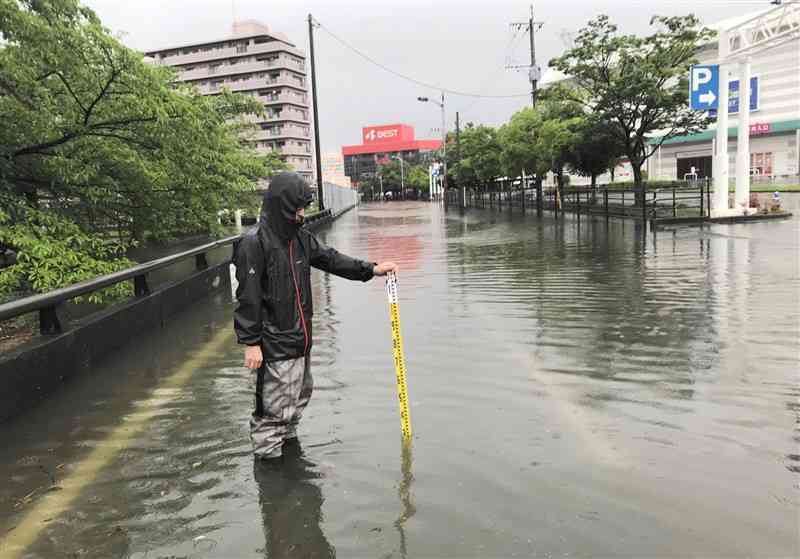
(444, 137)
(399, 157)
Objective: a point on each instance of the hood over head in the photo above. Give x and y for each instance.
(287, 193)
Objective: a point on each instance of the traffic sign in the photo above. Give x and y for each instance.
(733, 95)
(704, 86)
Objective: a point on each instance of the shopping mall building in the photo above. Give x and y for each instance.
(774, 119)
(381, 144)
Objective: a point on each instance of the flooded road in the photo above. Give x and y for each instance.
(576, 391)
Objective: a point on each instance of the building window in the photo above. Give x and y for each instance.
(262, 40)
(761, 164)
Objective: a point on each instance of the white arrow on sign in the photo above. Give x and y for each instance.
(707, 98)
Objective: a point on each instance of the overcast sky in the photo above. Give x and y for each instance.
(461, 45)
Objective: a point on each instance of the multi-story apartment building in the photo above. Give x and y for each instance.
(254, 61)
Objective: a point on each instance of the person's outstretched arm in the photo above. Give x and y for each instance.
(331, 260)
(249, 263)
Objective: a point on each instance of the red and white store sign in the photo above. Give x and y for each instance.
(377, 134)
(759, 128)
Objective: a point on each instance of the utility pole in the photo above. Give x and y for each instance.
(458, 139)
(320, 200)
(534, 71)
(444, 150)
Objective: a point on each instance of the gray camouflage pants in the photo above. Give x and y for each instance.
(282, 389)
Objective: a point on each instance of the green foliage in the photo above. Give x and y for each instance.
(52, 252)
(561, 122)
(542, 139)
(417, 177)
(97, 137)
(598, 150)
(391, 175)
(638, 83)
(518, 146)
(478, 157)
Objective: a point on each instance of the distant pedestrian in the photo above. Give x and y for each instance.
(274, 311)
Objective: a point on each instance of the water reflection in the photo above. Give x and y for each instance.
(406, 497)
(291, 503)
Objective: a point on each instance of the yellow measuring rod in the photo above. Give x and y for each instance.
(399, 358)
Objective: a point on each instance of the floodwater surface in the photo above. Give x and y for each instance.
(577, 389)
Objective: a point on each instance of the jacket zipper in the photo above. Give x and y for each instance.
(297, 297)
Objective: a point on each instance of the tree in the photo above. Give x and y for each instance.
(391, 175)
(478, 158)
(638, 83)
(597, 150)
(558, 132)
(517, 145)
(99, 143)
(417, 178)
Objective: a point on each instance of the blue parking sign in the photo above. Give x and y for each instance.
(704, 86)
(733, 95)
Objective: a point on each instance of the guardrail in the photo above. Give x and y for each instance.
(676, 199)
(48, 304)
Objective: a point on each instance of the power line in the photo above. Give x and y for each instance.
(509, 51)
(409, 78)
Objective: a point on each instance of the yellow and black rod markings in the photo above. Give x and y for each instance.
(14, 542)
(399, 358)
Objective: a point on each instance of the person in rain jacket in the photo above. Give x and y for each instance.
(274, 310)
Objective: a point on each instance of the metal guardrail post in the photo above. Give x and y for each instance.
(702, 204)
(140, 286)
(201, 263)
(50, 321)
(539, 200)
(674, 206)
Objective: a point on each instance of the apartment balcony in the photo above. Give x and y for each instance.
(296, 150)
(256, 84)
(229, 52)
(293, 151)
(285, 116)
(205, 72)
(283, 132)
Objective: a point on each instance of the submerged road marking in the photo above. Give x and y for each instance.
(14, 543)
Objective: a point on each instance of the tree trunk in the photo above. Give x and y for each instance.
(638, 183)
(594, 189)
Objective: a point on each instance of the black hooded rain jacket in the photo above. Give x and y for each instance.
(273, 270)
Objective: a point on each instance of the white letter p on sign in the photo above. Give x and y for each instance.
(699, 77)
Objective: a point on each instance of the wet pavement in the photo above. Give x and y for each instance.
(576, 389)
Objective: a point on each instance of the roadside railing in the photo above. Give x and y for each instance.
(678, 199)
(50, 305)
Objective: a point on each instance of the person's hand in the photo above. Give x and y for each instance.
(384, 268)
(253, 357)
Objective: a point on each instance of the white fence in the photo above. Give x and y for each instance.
(338, 198)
